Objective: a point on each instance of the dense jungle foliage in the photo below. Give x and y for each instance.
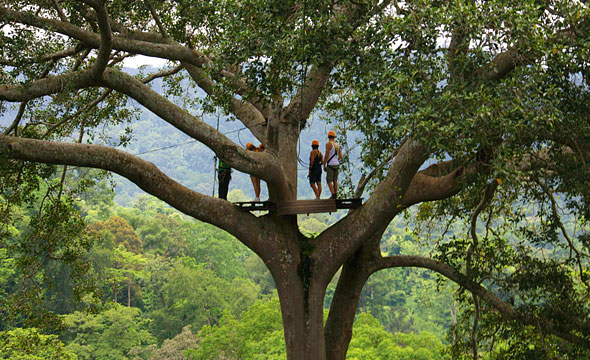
(154, 284)
(468, 120)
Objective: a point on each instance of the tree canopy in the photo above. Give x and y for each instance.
(472, 116)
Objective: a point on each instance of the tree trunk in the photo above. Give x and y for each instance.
(302, 310)
(129, 292)
(301, 288)
(345, 302)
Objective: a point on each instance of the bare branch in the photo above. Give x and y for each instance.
(60, 10)
(45, 58)
(476, 314)
(17, 119)
(80, 59)
(487, 197)
(364, 180)
(564, 232)
(157, 20)
(23, 105)
(162, 73)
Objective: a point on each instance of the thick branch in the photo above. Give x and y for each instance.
(427, 188)
(257, 164)
(164, 51)
(89, 106)
(48, 86)
(507, 311)
(106, 38)
(503, 64)
(353, 14)
(144, 174)
(308, 95)
(355, 272)
(251, 116)
(341, 240)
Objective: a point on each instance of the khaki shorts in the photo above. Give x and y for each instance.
(332, 173)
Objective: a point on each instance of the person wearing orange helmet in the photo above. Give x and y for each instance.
(315, 169)
(331, 163)
(255, 180)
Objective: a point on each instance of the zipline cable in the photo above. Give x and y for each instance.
(215, 160)
(193, 141)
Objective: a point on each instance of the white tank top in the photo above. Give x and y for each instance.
(332, 154)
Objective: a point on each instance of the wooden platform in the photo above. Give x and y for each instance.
(301, 206)
(306, 207)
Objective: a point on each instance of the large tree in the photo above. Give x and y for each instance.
(491, 95)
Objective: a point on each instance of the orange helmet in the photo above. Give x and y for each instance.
(261, 147)
(315, 142)
(331, 133)
(250, 146)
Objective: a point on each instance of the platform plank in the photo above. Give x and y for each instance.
(306, 207)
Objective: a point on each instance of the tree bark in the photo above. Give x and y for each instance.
(355, 272)
(344, 305)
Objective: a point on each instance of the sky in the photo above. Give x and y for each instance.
(139, 60)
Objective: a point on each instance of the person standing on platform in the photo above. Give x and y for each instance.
(255, 180)
(224, 177)
(315, 169)
(331, 163)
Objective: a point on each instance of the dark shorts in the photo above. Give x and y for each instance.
(315, 178)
